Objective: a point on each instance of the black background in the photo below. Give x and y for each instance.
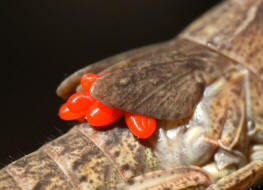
(43, 41)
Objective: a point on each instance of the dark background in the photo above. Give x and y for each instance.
(43, 41)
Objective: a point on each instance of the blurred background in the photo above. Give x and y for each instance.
(44, 41)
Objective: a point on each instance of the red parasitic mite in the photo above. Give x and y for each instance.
(140, 125)
(100, 115)
(66, 114)
(87, 80)
(81, 105)
(80, 101)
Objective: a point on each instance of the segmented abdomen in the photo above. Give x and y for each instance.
(81, 159)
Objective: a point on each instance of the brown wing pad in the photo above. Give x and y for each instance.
(181, 177)
(165, 85)
(68, 86)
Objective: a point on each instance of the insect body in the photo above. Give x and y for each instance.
(204, 88)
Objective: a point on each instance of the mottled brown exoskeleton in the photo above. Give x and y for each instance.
(205, 87)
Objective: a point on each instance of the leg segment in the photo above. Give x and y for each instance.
(178, 178)
(240, 179)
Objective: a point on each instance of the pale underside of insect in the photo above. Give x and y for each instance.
(205, 88)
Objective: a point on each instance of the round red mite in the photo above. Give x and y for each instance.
(82, 105)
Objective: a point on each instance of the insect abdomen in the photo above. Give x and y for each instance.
(81, 159)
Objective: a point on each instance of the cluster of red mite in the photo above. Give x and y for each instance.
(81, 105)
